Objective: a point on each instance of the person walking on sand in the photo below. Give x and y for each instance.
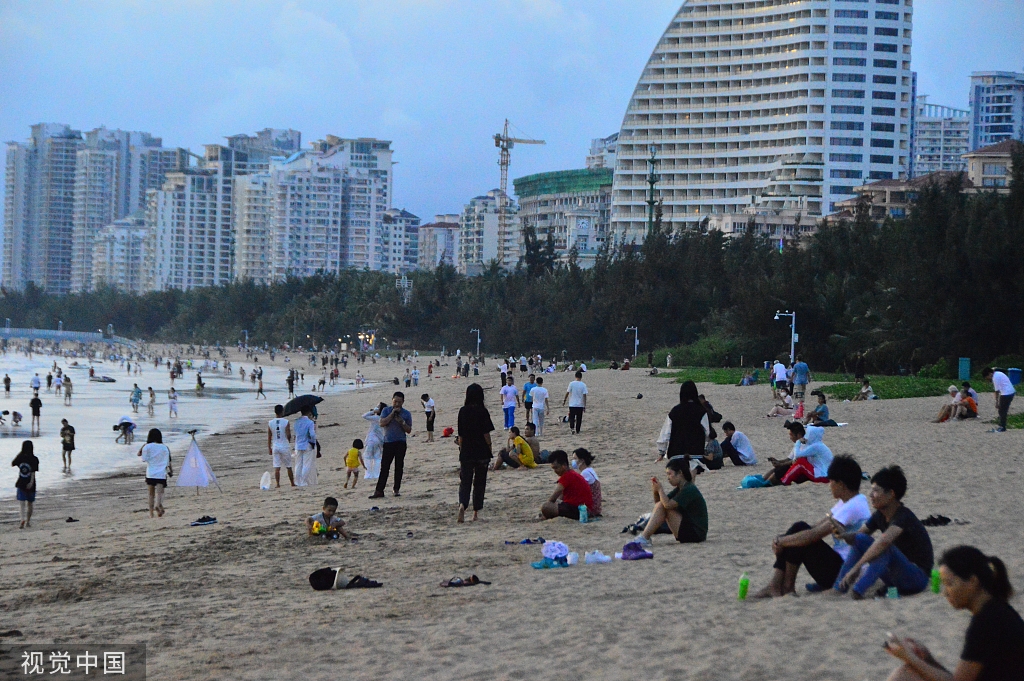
(540, 397)
(576, 395)
(27, 465)
(157, 457)
(509, 401)
(136, 398)
(259, 390)
(279, 444)
(67, 441)
(397, 423)
(67, 391)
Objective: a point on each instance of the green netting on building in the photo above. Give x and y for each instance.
(563, 182)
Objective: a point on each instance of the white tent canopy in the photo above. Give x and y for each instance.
(195, 470)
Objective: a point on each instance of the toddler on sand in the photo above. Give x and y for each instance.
(353, 461)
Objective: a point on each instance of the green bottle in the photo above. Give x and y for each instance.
(936, 581)
(744, 587)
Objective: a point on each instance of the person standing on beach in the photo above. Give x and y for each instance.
(157, 457)
(1004, 392)
(136, 398)
(397, 423)
(291, 383)
(474, 441)
(374, 444)
(7, 386)
(305, 449)
(528, 396)
(430, 409)
(67, 441)
(540, 397)
(509, 401)
(576, 395)
(27, 465)
(172, 403)
(151, 405)
(279, 444)
(259, 389)
(35, 383)
(36, 405)
(801, 377)
(67, 391)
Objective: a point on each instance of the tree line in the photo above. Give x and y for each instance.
(947, 281)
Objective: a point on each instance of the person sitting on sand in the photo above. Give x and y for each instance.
(819, 415)
(737, 446)
(713, 457)
(951, 407)
(518, 454)
(901, 556)
(805, 545)
(785, 407)
(571, 491)
(809, 459)
(681, 511)
(967, 407)
(866, 393)
(328, 520)
(530, 435)
(968, 390)
(583, 461)
(994, 642)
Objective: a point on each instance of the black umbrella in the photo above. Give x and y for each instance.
(300, 403)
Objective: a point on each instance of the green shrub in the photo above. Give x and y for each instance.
(940, 369)
(897, 387)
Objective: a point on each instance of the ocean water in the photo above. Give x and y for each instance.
(226, 402)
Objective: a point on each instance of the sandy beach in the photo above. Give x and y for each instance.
(232, 600)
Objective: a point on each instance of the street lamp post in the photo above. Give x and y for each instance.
(477, 332)
(636, 338)
(793, 337)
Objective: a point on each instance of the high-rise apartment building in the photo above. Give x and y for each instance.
(329, 206)
(479, 242)
(253, 212)
(191, 217)
(941, 138)
(114, 170)
(439, 243)
(602, 152)
(399, 241)
(119, 254)
(997, 107)
(39, 208)
(573, 206)
(781, 104)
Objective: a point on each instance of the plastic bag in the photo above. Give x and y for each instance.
(265, 481)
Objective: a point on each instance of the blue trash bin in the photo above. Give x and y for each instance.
(965, 368)
(1014, 375)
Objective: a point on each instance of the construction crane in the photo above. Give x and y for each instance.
(505, 143)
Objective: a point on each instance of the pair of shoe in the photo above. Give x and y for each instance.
(380, 495)
(998, 430)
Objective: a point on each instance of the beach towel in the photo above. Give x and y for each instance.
(195, 471)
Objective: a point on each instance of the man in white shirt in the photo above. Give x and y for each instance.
(805, 545)
(279, 439)
(737, 446)
(576, 395)
(1004, 391)
(509, 401)
(540, 405)
(778, 376)
(36, 383)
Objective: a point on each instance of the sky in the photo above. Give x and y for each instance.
(436, 77)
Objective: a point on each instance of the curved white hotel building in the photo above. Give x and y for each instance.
(766, 105)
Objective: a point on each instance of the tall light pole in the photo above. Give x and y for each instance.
(793, 338)
(477, 332)
(636, 338)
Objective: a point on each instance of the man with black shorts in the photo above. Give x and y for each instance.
(67, 441)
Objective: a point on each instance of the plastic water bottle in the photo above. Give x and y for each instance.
(936, 581)
(744, 587)
(893, 592)
(584, 515)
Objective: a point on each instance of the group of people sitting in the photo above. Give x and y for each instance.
(963, 404)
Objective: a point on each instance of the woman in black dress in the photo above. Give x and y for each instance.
(689, 424)
(474, 443)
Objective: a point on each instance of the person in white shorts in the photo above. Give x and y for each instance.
(540, 405)
(279, 442)
(172, 403)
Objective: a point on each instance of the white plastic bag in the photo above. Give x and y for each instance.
(265, 481)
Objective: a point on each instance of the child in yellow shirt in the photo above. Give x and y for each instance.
(353, 461)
